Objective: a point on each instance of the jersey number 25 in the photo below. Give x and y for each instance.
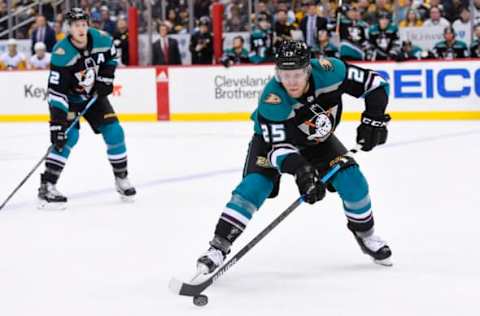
(276, 133)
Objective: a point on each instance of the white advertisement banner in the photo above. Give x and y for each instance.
(414, 86)
(217, 89)
(426, 37)
(25, 92)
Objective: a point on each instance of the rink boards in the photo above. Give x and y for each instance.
(427, 90)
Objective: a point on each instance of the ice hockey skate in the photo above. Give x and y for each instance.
(375, 247)
(125, 189)
(50, 198)
(214, 256)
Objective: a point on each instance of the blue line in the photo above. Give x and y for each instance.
(215, 173)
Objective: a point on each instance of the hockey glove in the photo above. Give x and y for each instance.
(372, 131)
(309, 184)
(103, 88)
(58, 135)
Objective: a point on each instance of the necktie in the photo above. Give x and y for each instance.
(40, 35)
(311, 37)
(165, 50)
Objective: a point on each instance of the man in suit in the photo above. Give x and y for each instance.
(43, 33)
(311, 24)
(165, 50)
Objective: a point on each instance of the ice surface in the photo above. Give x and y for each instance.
(104, 257)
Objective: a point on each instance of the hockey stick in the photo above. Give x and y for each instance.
(75, 121)
(195, 289)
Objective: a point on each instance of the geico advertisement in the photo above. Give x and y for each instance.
(414, 86)
(25, 92)
(216, 89)
(427, 86)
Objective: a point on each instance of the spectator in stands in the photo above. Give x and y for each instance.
(476, 11)
(311, 23)
(201, 43)
(384, 40)
(238, 54)
(412, 19)
(59, 34)
(165, 49)
(324, 48)
(174, 21)
(12, 59)
(380, 6)
(41, 58)
(365, 9)
(183, 19)
(436, 3)
(3, 24)
(43, 33)
(475, 47)
(120, 40)
(402, 10)
(422, 8)
(96, 20)
(450, 48)
(353, 34)
(108, 25)
(452, 8)
(436, 18)
(236, 13)
(281, 29)
(463, 22)
(201, 8)
(410, 52)
(261, 41)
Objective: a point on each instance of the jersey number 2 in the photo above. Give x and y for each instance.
(356, 74)
(54, 77)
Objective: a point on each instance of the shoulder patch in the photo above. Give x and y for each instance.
(59, 51)
(272, 98)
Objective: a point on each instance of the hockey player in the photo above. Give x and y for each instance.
(353, 35)
(261, 41)
(384, 40)
(83, 64)
(450, 48)
(410, 52)
(294, 126)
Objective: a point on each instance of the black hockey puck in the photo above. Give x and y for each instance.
(200, 300)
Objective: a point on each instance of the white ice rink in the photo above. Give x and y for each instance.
(103, 257)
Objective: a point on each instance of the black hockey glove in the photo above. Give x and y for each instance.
(372, 131)
(58, 135)
(309, 184)
(103, 89)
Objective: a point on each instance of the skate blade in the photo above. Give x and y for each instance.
(127, 199)
(385, 262)
(51, 206)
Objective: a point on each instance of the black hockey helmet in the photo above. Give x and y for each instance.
(76, 14)
(292, 54)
